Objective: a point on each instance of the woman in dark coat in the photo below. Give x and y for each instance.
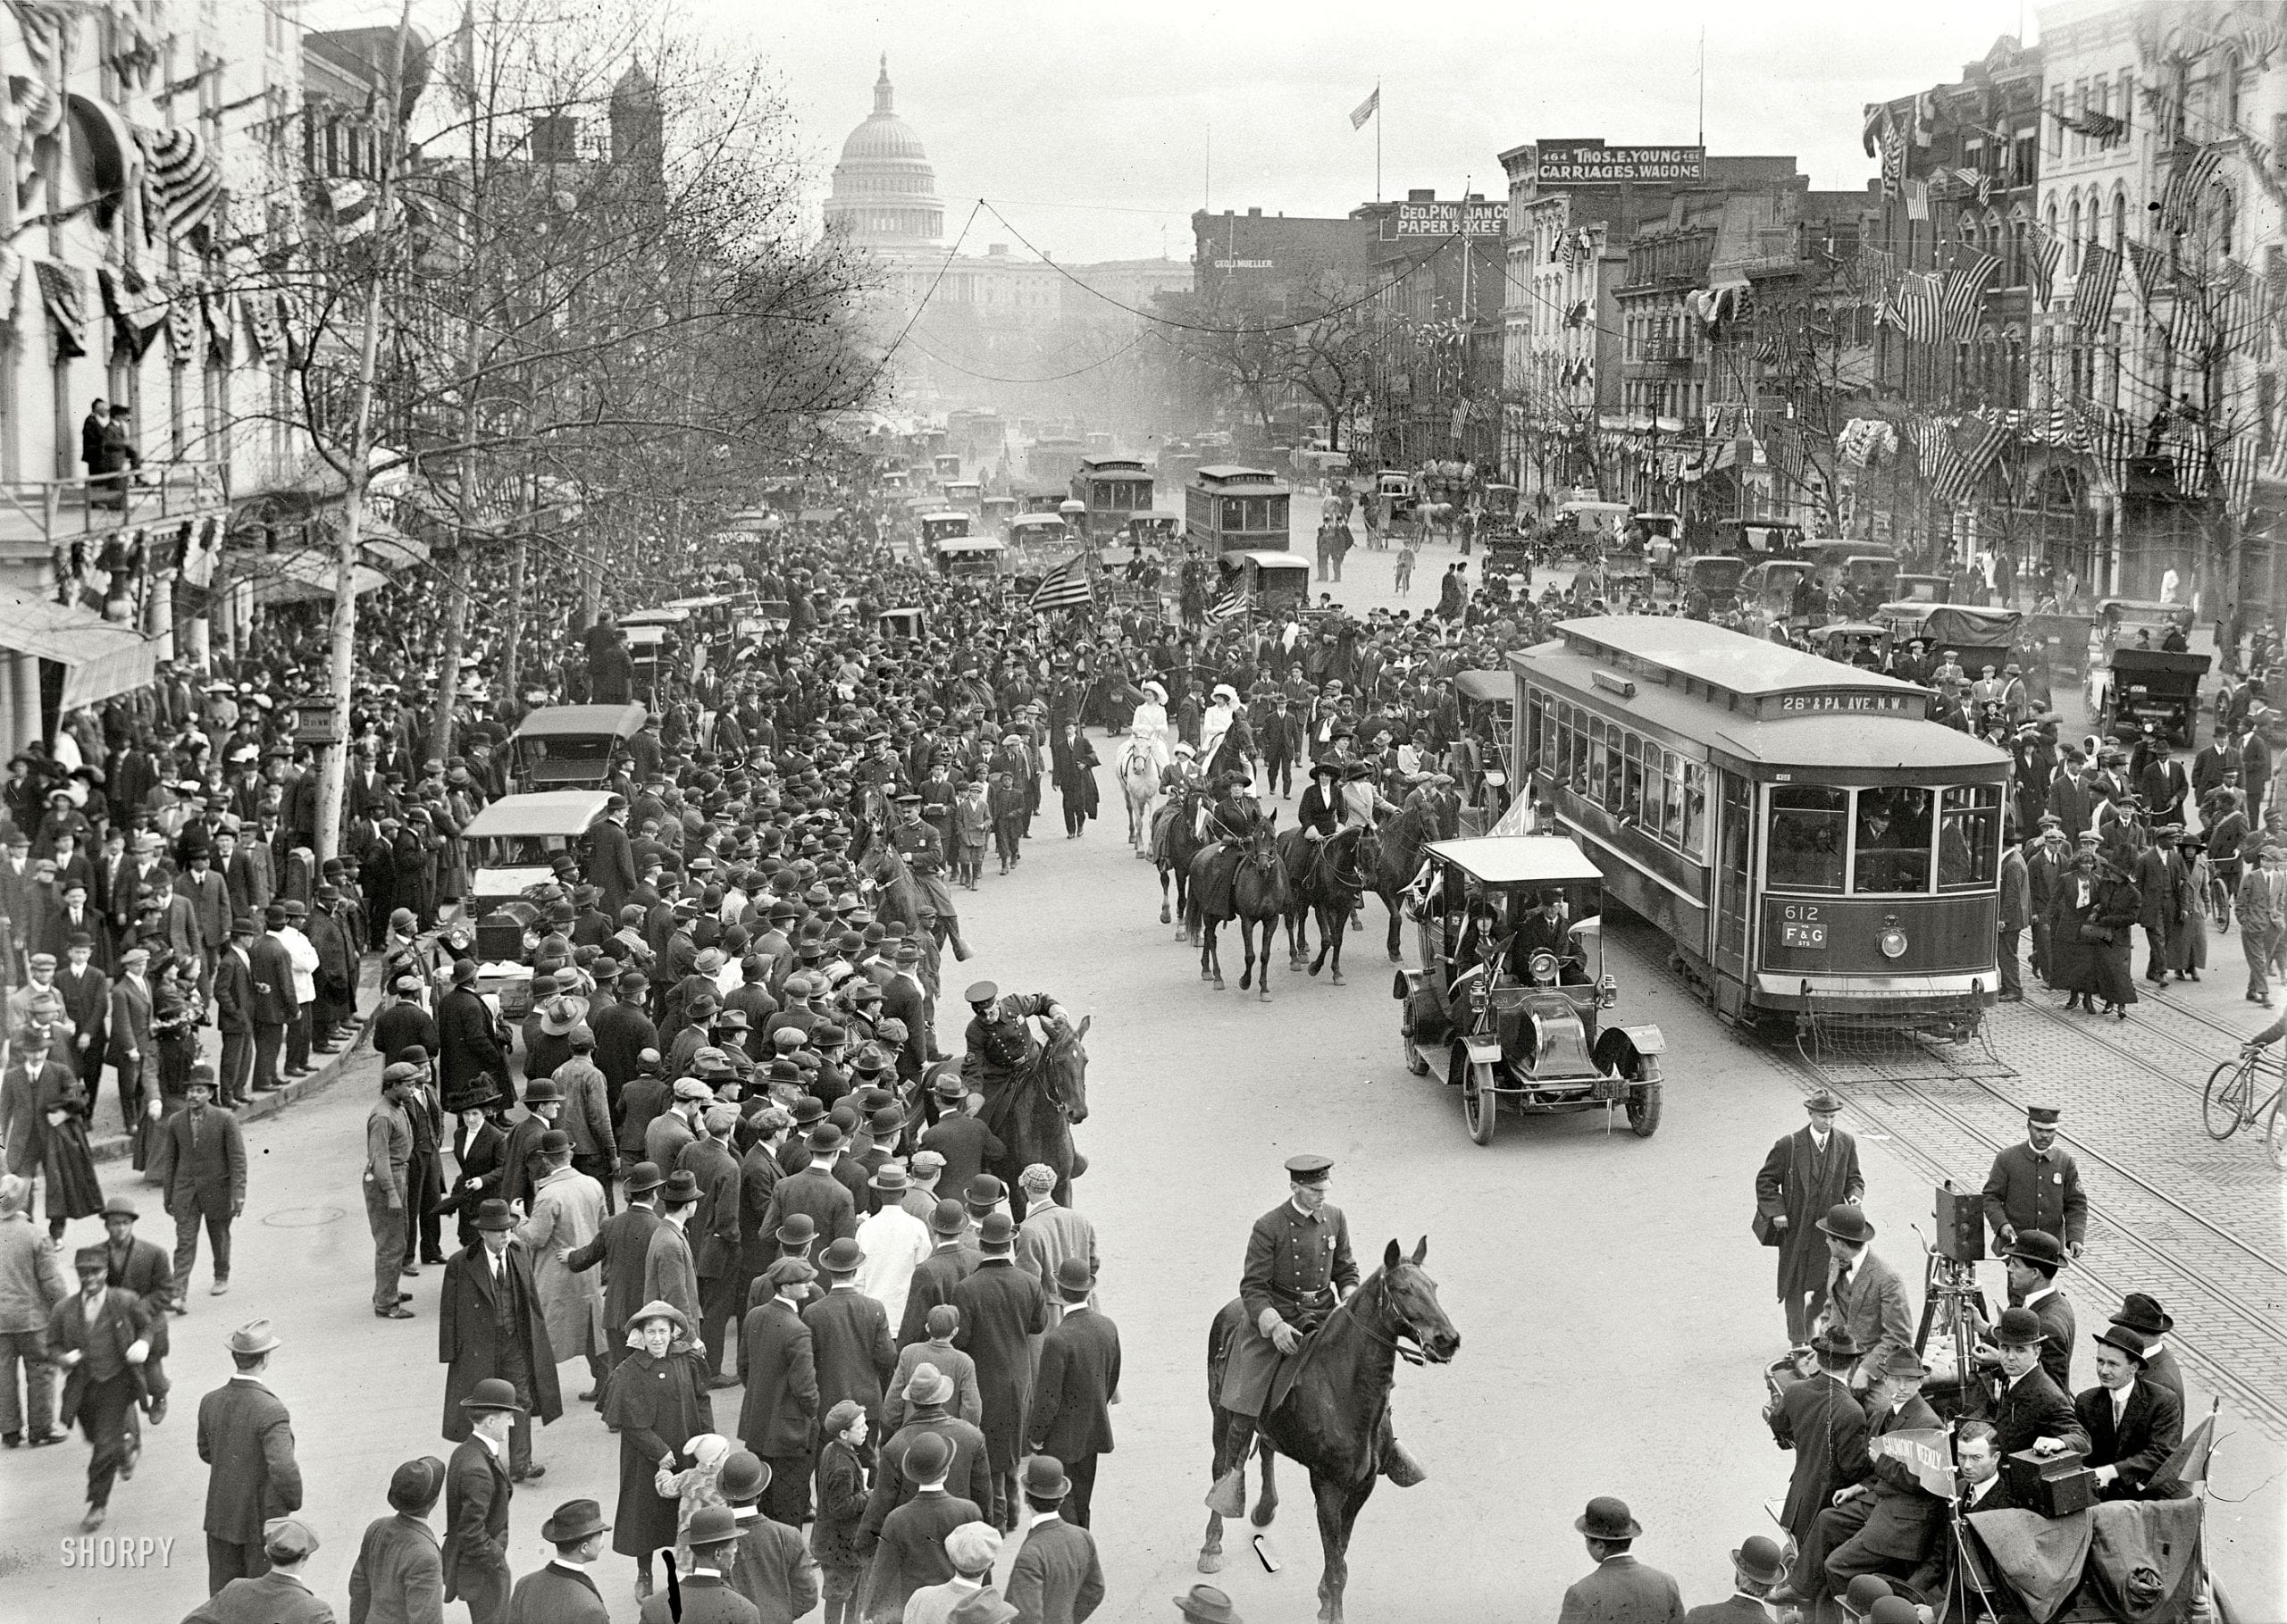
(73, 1191)
(1075, 765)
(2119, 905)
(2072, 908)
(656, 1401)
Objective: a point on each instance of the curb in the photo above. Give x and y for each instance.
(117, 1147)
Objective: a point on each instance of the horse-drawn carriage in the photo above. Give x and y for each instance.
(1515, 993)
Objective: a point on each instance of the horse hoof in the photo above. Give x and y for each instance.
(1262, 1515)
(1338, 979)
(1316, 968)
(1211, 1561)
(1165, 917)
(1218, 983)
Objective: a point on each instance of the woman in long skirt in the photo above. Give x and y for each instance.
(2071, 914)
(658, 1403)
(2188, 944)
(2119, 905)
(73, 1191)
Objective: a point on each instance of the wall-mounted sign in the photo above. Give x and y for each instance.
(1445, 219)
(1242, 265)
(1584, 165)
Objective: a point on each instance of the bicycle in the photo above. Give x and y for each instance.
(2219, 901)
(2229, 1103)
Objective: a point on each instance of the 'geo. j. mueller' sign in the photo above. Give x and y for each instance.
(1583, 165)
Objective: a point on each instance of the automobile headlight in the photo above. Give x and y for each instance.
(1542, 965)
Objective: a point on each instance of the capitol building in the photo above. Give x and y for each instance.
(1001, 328)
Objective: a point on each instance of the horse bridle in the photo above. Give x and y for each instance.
(1412, 1355)
(1356, 879)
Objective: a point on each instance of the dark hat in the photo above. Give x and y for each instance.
(997, 1231)
(682, 1186)
(711, 1525)
(492, 1392)
(1892, 1609)
(1759, 1559)
(555, 1142)
(1863, 1592)
(1845, 1222)
(949, 1085)
(644, 1175)
(2127, 1340)
(2018, 1327)
(790, 1272)
(982, 1190)
(1824, 1102)
(928, 1458)
(1309, 1170)
(543, 1091)
(2139, 1312)
(415, 1485)
(95, 1258)
(495, 1215)
(1606, 1517)
(843, 1257)
(1902, 1361)
(1838, 1341)
(824, 1137)
(799, 1229)
(981, 992)
(743, 1477)
(950, 1217)
(2037, 1246)
(1073, 1279)
(1044, 1478)
(2046, 1115)
(575, 1520)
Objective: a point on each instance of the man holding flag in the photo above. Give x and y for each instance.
(1065, 587)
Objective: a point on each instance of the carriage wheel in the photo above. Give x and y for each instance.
(1480, 1104)
(1644, 1109)
(1415, 1061)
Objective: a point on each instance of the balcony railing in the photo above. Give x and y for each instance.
(59, 509)
(1668, 350)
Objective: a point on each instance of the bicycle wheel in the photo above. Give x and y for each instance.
(2219, 904)
(2223, 1107)
(2274, 1132)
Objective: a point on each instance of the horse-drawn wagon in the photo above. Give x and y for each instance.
(1512, 986)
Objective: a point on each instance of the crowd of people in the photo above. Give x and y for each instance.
(725, 1151)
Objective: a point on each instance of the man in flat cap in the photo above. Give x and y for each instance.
(280, 1593)
(1808, 1172)
(99, 1338)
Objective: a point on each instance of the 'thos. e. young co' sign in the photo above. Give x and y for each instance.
(1609, 165)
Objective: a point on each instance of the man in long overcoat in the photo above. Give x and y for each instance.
(1821, 1420)
(1810, 1170)
(778, 1420)
(468, 1044)
(620, 1244)
(1002, 1308)
(490, 1324)
(849, 1336)
(567, 1212)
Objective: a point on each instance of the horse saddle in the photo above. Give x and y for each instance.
(1308, 1323)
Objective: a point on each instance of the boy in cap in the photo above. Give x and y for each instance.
(399, 1568)
(834, 1537)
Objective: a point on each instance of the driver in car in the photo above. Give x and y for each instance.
(1546, 930)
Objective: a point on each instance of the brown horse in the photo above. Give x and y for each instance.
(1335, 1419)
(1325, 879)
(1034, 1113)
(1401, 840)
(1175, 841)
(1242, 880)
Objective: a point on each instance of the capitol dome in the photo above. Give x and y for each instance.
(884, 191)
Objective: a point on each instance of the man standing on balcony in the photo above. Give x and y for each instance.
(91, 438)
(120, 457)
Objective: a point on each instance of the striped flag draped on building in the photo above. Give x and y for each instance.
(2111, 439)
(1065, 587)
(1953, 461)
(1965, 297)
(2049, 253)
(2093, 290)
(2188, 182)
(1917, 307)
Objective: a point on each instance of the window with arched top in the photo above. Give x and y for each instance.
(2119, 220)
(2072, 237)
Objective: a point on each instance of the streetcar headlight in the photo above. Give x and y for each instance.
(1892, 941)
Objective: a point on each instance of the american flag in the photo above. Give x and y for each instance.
(2112, 441)
(2188, 182)
(2093, 290)
(1917, 304)
(1065, 587)
(2151, 267)
(1964, 295)
(2101, 127)
(1234, 602)
(2049, 253)
(1962, 464)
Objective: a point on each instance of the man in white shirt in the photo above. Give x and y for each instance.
(894, 1241)
(303, 958)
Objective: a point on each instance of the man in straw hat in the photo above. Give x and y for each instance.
(247, 1439)
(491, 1326)
(1620, 1587)
(1058, 1578)
(280, 1593)
(561, 1592)
(1807, 1175)
(400, 1570)
(1757, 1567)
(478, 1490)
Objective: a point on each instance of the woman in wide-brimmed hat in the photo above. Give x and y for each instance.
(658, 1401)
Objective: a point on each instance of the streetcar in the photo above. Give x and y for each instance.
(1809, 840)
(1110, 490)
(1227, 508)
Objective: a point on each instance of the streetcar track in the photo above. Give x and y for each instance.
(1917, 1148)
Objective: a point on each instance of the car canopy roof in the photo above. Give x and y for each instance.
(542, 812)
(560, 721)
(1519, 860)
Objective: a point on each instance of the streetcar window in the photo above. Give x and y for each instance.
(1631, 804)
(1891, 841)
(1969, 837)
(1671, 798)
(1693, 837)
(1613, 799)
(1595, 789)
(1806, 837)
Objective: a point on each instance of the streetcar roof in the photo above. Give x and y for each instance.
(1519, 860)
(1485, 684)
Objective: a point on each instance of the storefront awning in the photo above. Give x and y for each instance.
(388, 548)
(101, 658)
(300, 577)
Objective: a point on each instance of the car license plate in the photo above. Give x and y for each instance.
(1801, 934)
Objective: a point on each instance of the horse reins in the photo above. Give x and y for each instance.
(1412, 1355)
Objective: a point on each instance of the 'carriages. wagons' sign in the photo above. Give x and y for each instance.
(1582, 163)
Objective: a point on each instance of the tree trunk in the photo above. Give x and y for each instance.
(449, 675)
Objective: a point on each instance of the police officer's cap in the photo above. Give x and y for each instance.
(982, 993)
(1309, 1170)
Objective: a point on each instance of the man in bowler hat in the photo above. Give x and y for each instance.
(477, 1494)
(1757, 1567)
(490, 1326)
(1621, 1590)
(561, 1592)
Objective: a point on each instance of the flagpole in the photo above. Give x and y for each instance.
(1377, 141)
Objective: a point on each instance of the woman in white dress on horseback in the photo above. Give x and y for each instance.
(1141, 760)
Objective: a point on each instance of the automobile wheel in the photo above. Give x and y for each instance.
(1480, 1104)
(1644, 1109)
(1415, 1062)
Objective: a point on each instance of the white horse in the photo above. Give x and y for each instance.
(1137, 768)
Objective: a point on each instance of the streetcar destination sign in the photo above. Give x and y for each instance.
(1585, 163)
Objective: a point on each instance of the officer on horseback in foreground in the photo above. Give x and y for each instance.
(1298, 1270)
(999, 1042)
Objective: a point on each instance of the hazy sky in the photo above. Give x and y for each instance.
(1088, 123)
